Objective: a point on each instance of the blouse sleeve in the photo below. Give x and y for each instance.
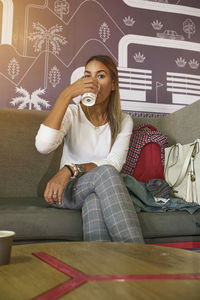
(48, 139)
(119, 150)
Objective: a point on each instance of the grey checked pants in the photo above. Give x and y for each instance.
(107, 210)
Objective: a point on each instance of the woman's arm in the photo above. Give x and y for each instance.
(57, 123)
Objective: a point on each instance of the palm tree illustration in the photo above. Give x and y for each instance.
(30, 100)
(48, 37)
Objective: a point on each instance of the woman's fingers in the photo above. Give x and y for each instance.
(60, 192)
(53, 193)
(55, 187)
(91, 84)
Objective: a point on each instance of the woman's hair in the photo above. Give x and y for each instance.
(114, 105)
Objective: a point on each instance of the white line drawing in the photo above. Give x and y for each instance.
(45, 6)
(13, 68)
(48, 37)
(189, 27)
(158, 85)
(157, 42)
(150, 107)
(61, 7)
(151, 41)
(157, 25)
(76, 74)
(180, 62)
(104, 32)
(185, 88)
(161, 1)
(128, 21)
(7, 22)
(29, 6)
(170, 34)
(171, 8)
(30, 100)
(139, 58)
(64, 64)
(134, 83)
(54, 76)
(193, 64)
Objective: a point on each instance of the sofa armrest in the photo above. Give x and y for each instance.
(182, 126)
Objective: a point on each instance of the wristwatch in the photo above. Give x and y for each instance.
(81, 169)
(76, 170)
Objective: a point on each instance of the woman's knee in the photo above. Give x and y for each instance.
(108, 169)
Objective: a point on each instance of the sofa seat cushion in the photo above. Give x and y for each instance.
(170, 224)
(34, 219)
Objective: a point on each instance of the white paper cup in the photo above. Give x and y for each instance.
(88, 99)
(6, 238)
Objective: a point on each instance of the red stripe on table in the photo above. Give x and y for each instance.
(60, 290)
(78, 278)
(182, 245)
(59, 265)
(146, 277)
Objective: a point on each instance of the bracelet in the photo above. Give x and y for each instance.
(68, 167)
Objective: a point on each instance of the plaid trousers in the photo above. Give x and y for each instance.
(107, 210)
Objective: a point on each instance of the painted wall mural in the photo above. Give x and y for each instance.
(155, 44)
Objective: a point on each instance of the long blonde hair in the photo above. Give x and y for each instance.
(114, 105)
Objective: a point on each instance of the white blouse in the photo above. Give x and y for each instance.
(85, 143)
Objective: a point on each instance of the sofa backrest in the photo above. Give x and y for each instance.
(23, 171)
(182, 126)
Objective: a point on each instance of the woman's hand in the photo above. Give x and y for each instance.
(79, 87)
(54, 189)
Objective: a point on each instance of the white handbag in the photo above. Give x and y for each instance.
(182, 170)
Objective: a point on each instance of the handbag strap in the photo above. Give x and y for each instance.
(143, 126)
(184, 168)
(166, 171)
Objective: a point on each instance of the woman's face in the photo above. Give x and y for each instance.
(98, 70)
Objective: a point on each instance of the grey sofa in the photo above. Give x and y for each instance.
(24, 173)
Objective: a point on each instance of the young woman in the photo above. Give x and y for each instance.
(96, 141)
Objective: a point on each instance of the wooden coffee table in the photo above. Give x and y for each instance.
(100, 271)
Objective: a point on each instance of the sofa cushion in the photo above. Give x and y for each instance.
(170, 224)
(34, 219)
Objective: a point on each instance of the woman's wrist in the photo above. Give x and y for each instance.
(70, 170)
(66, 95)
(75, 170)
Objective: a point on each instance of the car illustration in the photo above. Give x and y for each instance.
(170, 34)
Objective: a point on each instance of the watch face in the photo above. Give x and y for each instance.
(80, 168)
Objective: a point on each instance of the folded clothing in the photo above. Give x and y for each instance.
(143, 200)
(159, 188)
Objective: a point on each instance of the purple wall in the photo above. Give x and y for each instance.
(45, 43)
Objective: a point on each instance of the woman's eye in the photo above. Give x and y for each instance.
(100, 76)
(86, 76)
